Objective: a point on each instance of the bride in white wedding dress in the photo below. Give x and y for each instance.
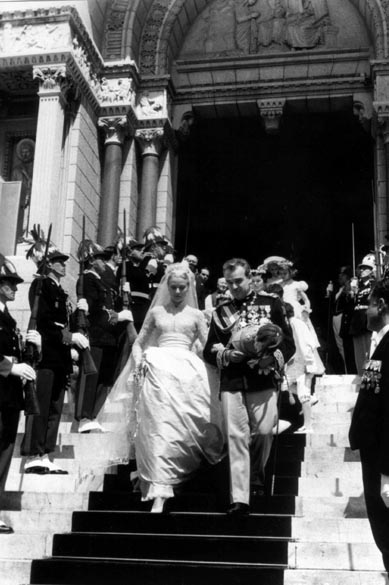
(177, 409)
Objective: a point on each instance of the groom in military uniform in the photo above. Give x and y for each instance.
(369, 431)
(248, 389)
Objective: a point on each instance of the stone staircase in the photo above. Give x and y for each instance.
(313, 530)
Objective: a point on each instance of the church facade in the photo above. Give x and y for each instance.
(99, 101)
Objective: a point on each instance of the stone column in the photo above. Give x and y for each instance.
(151, 143)
(115, 129)
(48, 148)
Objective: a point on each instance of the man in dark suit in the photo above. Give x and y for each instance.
(248, 391)
(41, 431)
(369, 431)
(12, 372)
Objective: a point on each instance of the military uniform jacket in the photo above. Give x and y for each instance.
(102, 333)
(370, 421)
(53, 325)
(11, 393)
(241, 376)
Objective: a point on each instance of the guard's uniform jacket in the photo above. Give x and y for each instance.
(233, 313)
(53, 325)
(140, 291)
(11, 393)
(103, 332)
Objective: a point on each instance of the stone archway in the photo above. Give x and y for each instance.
(153, 31)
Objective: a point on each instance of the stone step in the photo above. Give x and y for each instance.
(26, 545)
(43, 501)
(53, 483)
(325, 556)
(330, 507)
(15, 572)
(336, 486)
(334, 577)
(352, 530)
(37, 520)
(337, 380)
(326, 468)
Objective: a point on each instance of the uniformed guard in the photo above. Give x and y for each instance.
(103, 336)
(248, 389)
(55, 367)
(12, 372)
(139, 284)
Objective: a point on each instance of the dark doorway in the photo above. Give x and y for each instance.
(242, 192)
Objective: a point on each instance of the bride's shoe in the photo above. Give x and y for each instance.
(158, 505)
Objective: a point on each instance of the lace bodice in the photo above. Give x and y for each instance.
(165, 327)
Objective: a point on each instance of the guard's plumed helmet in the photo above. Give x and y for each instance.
(8, 271)
(89, 250)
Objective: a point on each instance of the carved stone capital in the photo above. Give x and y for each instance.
(115, 129)
(271, 112)
(150, 140)
(51, 78)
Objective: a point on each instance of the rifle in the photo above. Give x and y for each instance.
(87, 364)
(131, 332)
(30, 354)
(126, 296)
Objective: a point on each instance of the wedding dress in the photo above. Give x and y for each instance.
(178, 416)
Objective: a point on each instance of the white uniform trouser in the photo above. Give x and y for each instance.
(250, 418)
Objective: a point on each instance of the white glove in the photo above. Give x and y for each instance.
(74, 354)
(330, 288)
(385, 489)
(79, 340)
(34, 337)
(152, 266)
(126, 287)
(125, 315)
(23, 371)
(168, 259)
(82, 305)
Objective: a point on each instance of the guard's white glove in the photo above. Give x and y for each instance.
(385, 489)
(152, 266)
(23, 371)
(34, 337)
(82, 305)
(126, 287)
(75, 355)
(125, 315)
(79, 340)
(168, 259)
(330, 288)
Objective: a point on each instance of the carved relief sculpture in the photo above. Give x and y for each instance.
(28, 38)
(151, 106)
(22, 171)
(255, 26)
